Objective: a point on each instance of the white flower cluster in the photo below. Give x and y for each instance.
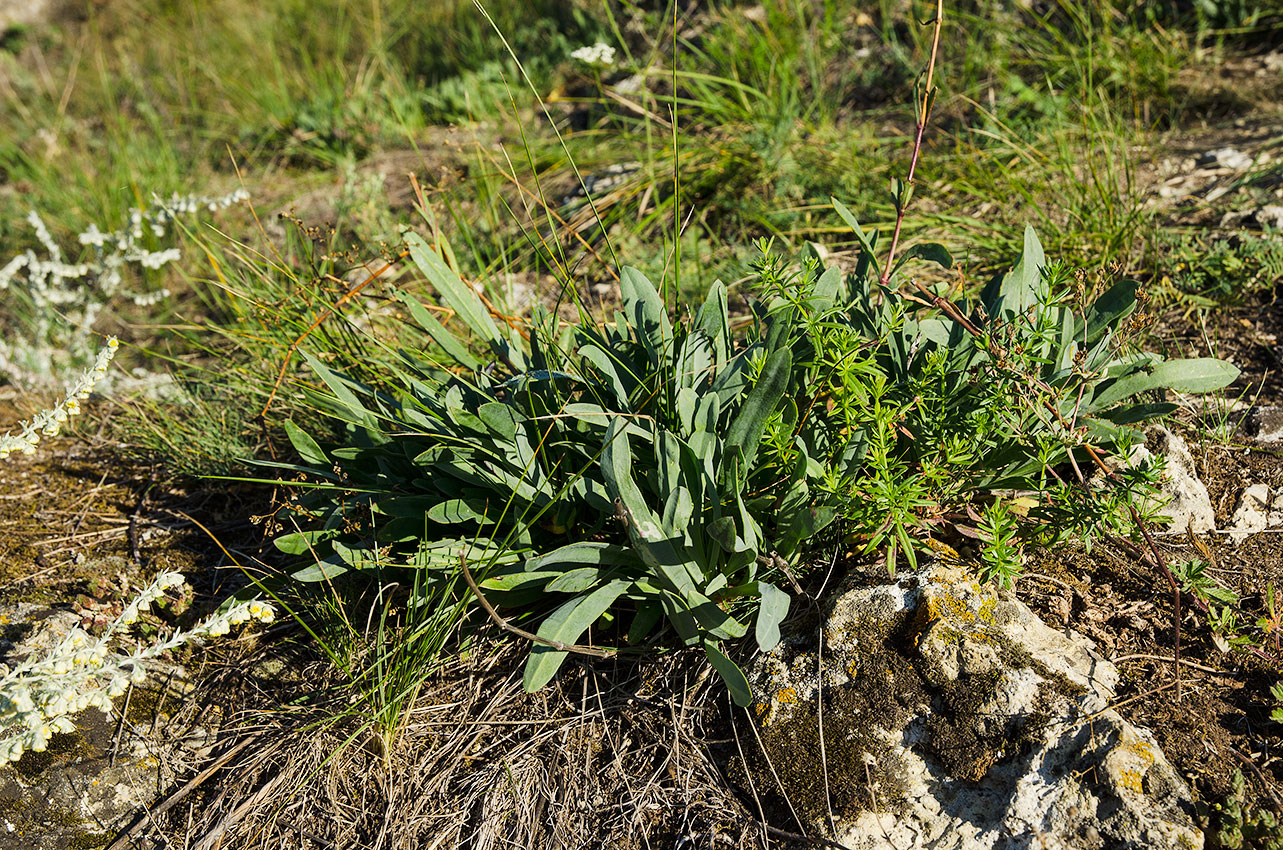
(598, 56)
(48, 423)
(79, 290)
(40, 696)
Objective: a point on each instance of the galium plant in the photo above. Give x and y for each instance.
(941, 413)
(41, 696)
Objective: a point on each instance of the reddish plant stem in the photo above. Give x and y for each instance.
(924, 113)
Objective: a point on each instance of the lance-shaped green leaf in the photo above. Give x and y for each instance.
(567, 625)
(827, 290)
(1116, 304)
(932, 251)
(695, 360)
(607, 365)
(586, 554)
(454, 511)
(356, 412)
(581, 579)
(449, 343)
(1197, 375)
(646, 314)
(712, 619)
(648, 615)
(323, 570)
(665, 555)
(457, 294)
(714, 319)
(734, 379)
(732, 675)
(744, 437)
(1023, 286)
(307, 448)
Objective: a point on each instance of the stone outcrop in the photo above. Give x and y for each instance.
(1185, 494)
(953, 717)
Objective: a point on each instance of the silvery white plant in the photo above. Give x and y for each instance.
(66, 297)
(599, 56)
(49, 422)
(41, 695)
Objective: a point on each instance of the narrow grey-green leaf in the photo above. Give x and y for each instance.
(566, 625)
(1116, 304)
(462, 299)
(931, 251)
(712, 619)
(320, 571)
(455, 511)
(345, 396)
(588, 554)
(449, 343)
(579, 580)
(714, 319)
(648, 614)
(499, 418)
(645, 311)
(731, 674)
(745, 432)
(1195, 375)
(773, 610)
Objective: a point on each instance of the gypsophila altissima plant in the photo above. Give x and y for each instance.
(48, 423)
(60, 299)
(40, 696)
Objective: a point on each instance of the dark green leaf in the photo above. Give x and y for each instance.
(306, 447)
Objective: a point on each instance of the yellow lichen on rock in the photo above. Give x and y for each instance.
(1128, 763)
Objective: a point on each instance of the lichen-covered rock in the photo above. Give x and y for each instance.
(954, 718)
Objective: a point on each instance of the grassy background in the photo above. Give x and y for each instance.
(720, 123)
(736, 121)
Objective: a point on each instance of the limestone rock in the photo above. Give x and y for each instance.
(1266, 424)
(1252, 514)
(1271, 216)
(1231, 158)
(1187, 501)
(28, 13)
(1275, 517)
(954, 718)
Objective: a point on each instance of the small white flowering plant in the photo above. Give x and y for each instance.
(48, 423)
(598, 57)
(41, 695)
(63, 298)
